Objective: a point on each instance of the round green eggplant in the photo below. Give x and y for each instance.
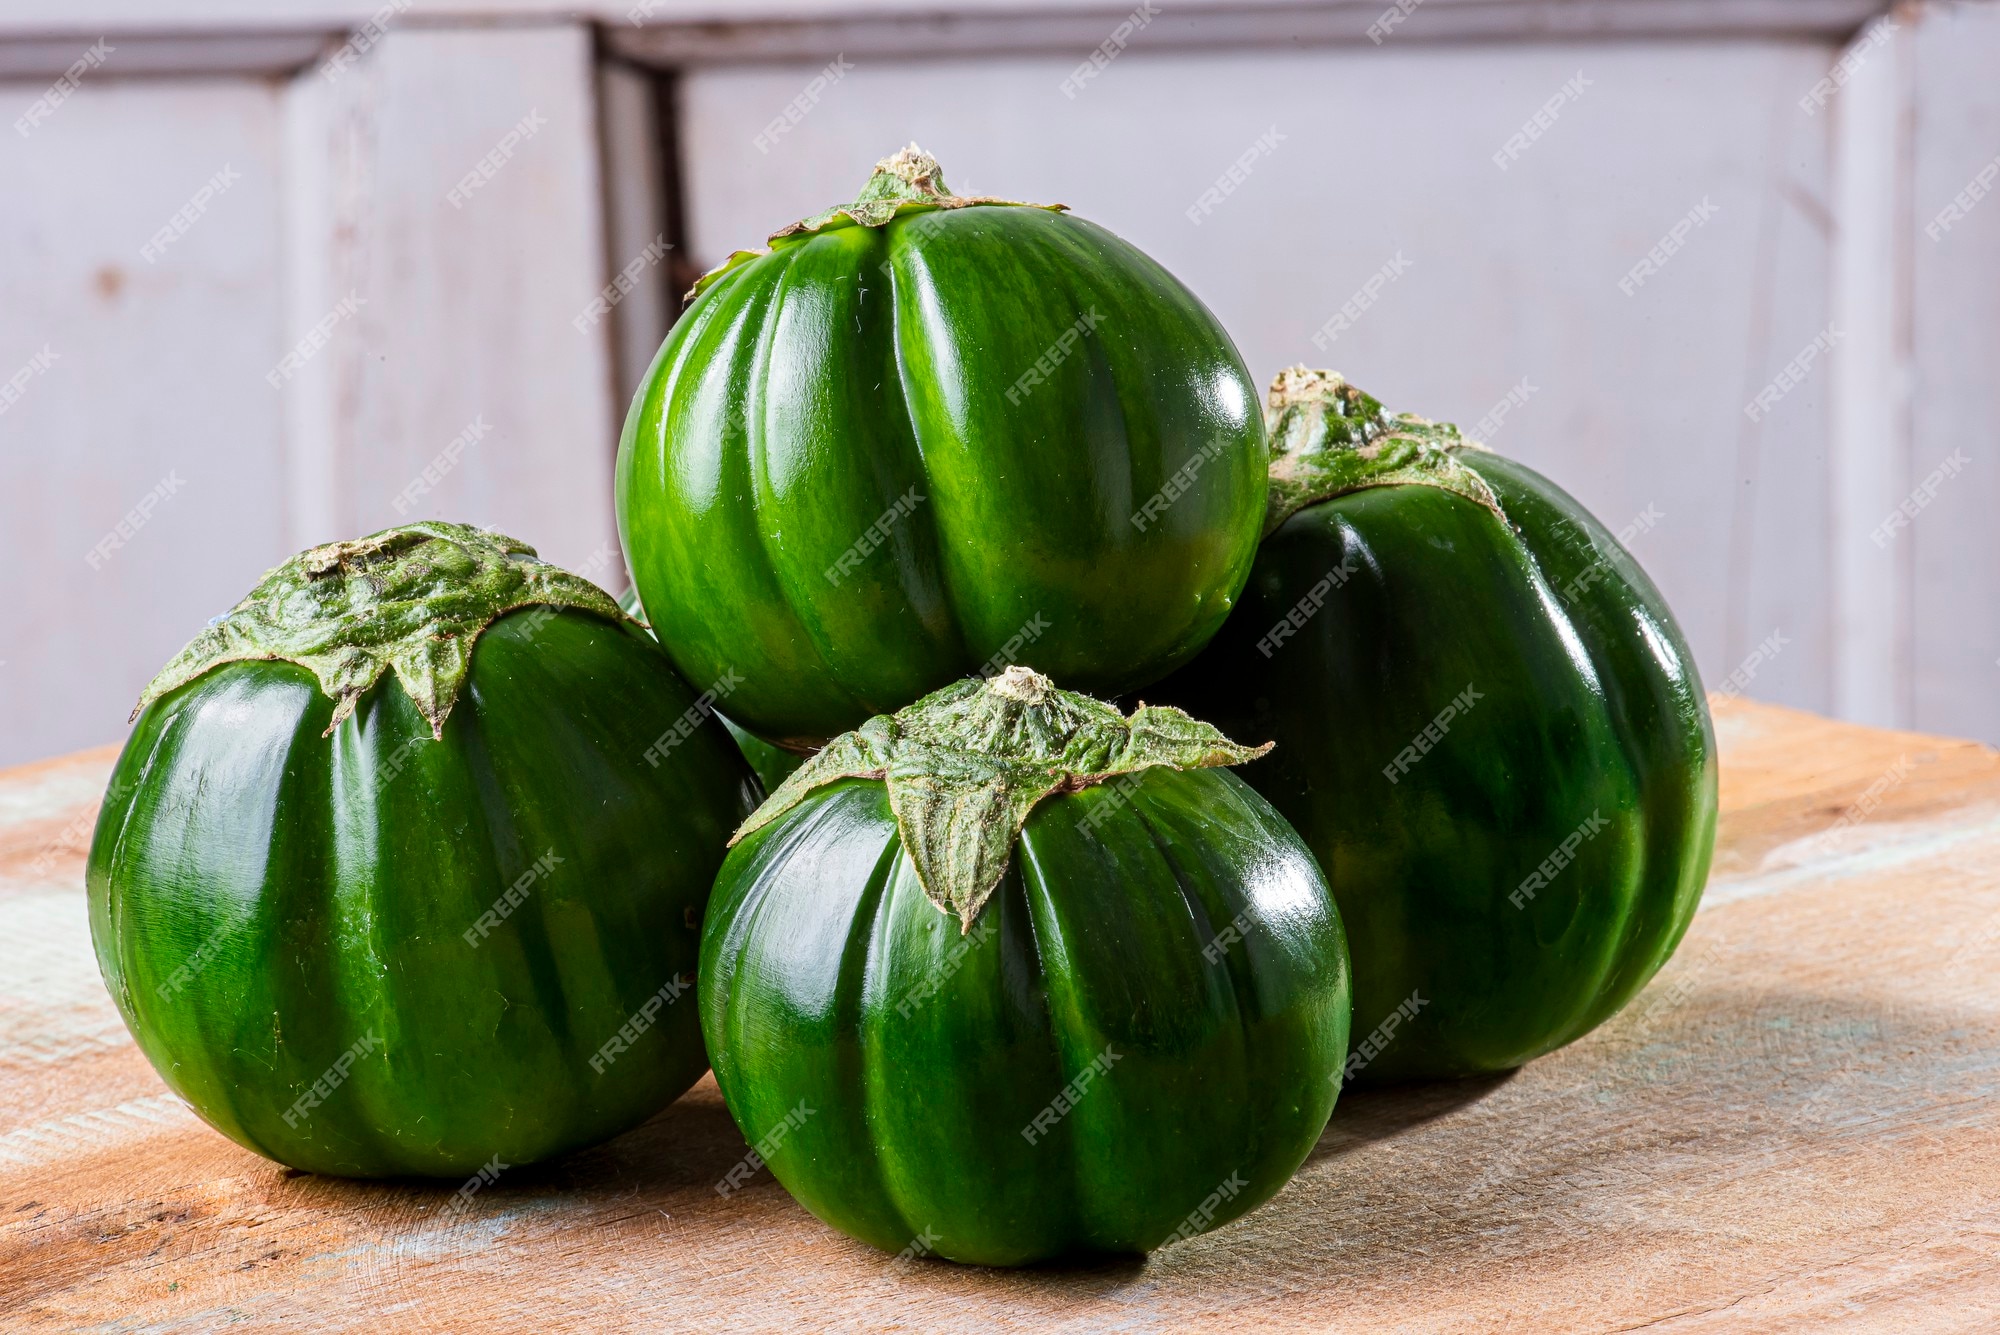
(1488, 727)
(360, 938)
(924, 435)
(1045, 988)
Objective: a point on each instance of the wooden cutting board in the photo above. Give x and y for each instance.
(1795, 1124)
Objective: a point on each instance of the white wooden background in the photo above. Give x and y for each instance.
(467, 317)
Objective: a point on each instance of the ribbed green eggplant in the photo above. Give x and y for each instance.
(361, 939)
(924, 435)
(1008, 977)
(1489, 730)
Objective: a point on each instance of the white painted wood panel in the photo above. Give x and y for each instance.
(157, 376)
(736, 29)
(1871, 377)
(449, 195)
(437, 357)
(1512, 275)
(1953, 544)
(640, 298)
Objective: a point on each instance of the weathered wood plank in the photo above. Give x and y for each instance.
(1794, 1124)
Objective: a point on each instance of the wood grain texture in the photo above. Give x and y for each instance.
(1795, 1124)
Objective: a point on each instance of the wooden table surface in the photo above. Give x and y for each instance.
(1795, 1125)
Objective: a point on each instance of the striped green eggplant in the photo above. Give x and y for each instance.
(1488, 727)
(924, 435)
(402, 869)
(1007, 977)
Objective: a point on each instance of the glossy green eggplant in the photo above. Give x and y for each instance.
(361, 937)
(1043, 986)
(926, 435)
(1489, 730)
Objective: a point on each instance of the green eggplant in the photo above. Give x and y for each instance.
(1008, 977)
(1488, 727)
(436, 923)
(924, 435)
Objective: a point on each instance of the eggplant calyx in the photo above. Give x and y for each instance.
(1329, 438)
(910, 181)
(965, 765)
(413, 598)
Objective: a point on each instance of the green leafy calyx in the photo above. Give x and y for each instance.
(413, 598)
(1329, 438)
(965, 765)
(908, 182)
